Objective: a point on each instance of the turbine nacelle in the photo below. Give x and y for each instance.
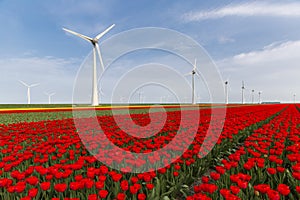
(193, 73)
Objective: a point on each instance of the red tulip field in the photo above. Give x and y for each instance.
(256, 156)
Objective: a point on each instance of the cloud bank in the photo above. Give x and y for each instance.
(267, 9)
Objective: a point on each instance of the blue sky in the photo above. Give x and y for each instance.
(256, 41)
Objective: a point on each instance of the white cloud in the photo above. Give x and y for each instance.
(247, 10)
(224, 40)
(273, 69)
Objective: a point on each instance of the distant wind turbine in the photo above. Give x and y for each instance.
(49, 96)
(162, 99)
(28, 89)
(252, 96)
(259, 97)
(226, 92)
(193, 73)
(141, 96)
(243, 88)
(94, 41)
(294, 98)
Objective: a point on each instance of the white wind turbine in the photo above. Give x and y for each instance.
(294, 98)
(28, 89)
(94, 41)
(141, 97)
(226, 90)
(252, 96)
(49, 96)
(243, 88)
(193, 73)
(259, 97)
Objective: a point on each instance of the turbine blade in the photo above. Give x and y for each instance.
(33, 85)
(100, 57)
(79, 35)
(195, 64)
(188, 74)
(104, 32)
(24, 83)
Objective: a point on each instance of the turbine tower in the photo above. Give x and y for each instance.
(193, 73)
(140, 93)
(49, 96)
(94, 41)
(226, 92)
(28, 89)
(294, 98)
(243, 88)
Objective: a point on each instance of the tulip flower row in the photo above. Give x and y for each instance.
(48, 160)
(267, 166)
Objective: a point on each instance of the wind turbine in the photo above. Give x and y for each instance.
(294, 98)
(226, 92)
(122, 99)
(259, 94)
(94, 41)
(162, 99)
(198, 98)
(252, 96)
(193, 72)
(49, 96)
(140, 93)
(243, 88)
(28, 89)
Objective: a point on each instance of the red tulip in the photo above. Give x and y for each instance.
(141, 196)
(116, 177)
(225, 192)
(124, 185)
(280, 169)
(205, 179)
(93, 197)
(74, 186)
(103, 169)
(271, 171)
(175, 173)
(102, 178)
(103, 193)
(273, 195)
(32, 180)
(177, 167)
(242, 184)
(234, 189)
(215, 176)
(296, 175)
(121, 196)
(45, 185)
(99, 184)
(133, 190)
(262, 188)
(60, 187)
(20, 187)
(283, 189)
(134, 179)
(221, 170)
(298, 189)
(32, 192)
